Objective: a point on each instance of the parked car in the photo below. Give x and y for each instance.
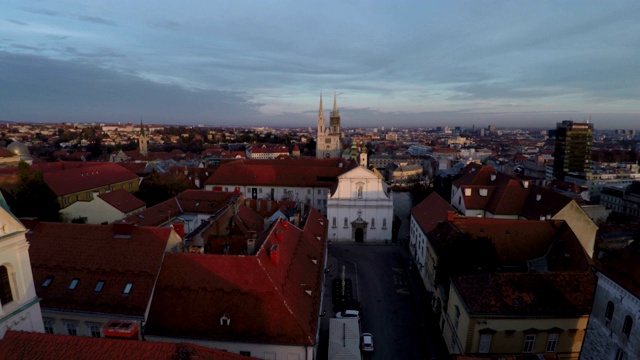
(366, 343)
(348, 314)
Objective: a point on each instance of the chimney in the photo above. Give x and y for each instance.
(450, 215)
(274, 254)
(247, 203)
(178, 227)
(251, 243)
(279, 235)
(123, 228)
(296, 219)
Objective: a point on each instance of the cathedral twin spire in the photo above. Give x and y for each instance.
(335, 116)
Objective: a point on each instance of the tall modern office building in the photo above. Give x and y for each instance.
(573, 148)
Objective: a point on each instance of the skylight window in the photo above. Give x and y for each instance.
(99, 286)
(73, 284)
(47, 281)
(127, 288)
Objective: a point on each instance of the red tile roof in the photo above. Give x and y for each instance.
(430, 211)
(475, 174)
(6, 153)
(18, 345)
(76, 179)
(285, 172)
(122, 200)
(135, 167)
(190, 201)
(266, 303)
(527, 294)
(92, 253)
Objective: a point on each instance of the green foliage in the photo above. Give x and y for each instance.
(33, 198)
(156, 188)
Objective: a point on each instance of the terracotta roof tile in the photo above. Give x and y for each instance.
(91, 253)
(85, 178)
(18, 345)
(265, 302)
(122, 200)
(430, 211)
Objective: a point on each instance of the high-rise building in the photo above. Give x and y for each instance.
(573, 148)
(329, 142)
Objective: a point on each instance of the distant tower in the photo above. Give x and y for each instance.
(573, 148)
(328, 142)
(143, 142)
(19, 305)
(362, 158)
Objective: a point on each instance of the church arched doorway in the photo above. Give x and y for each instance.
(359, 235)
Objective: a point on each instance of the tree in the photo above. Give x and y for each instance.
(156, 187)
(33, 198)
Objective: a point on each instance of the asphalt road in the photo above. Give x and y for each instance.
(395, 308)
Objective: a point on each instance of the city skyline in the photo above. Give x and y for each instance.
(524, 64)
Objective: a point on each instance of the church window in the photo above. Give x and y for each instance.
(384, 223)
(359, 192)
(6, 295)
(626, 327)
(608, 314)
(334, 223)
(346, 223)
(373, 223)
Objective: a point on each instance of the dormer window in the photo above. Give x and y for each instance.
(73, 284)
(127, 289)
(47, 281)
(225, 321)
(99, 286)
(467, 192)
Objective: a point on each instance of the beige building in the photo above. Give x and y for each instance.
(108, 207)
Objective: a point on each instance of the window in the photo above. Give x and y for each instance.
(95, 330)
(73, 284)
(485, 343)
(626, 327)
(359, 192)
(529, 340)
(72, 329)
(308, 191)
(47, 281)
(99, 286)
(384, 224)
(333, 223)
(346, 223)
(608, 314)
(457, 316)
(127, 288)
(552, 342)
(319, 192)
(49, 326)
(259, 190)
(373, 223)
(619, 354)
(319, 202)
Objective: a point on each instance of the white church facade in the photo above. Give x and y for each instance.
(19, 305)
(360, 208)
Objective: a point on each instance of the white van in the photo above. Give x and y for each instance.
(348, 314)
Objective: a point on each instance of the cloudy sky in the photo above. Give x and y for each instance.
(265, 63)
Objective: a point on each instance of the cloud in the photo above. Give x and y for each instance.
(17, 22)
(40, 11)
(37, 88)
(96, 20)
(166, 25)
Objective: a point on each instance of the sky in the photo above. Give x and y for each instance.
(265, 63)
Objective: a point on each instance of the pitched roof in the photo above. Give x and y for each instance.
(19, 345)
(122, 200)
(85, 178)
(622, 267)
(4, 153)
(430, 211)
(265, 302)
(475, 174)
(527, 294)
(190, 201)
(283, 172)
(93, 253)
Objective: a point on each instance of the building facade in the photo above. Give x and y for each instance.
(360, 208)
(329, 142)
(572, 148)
